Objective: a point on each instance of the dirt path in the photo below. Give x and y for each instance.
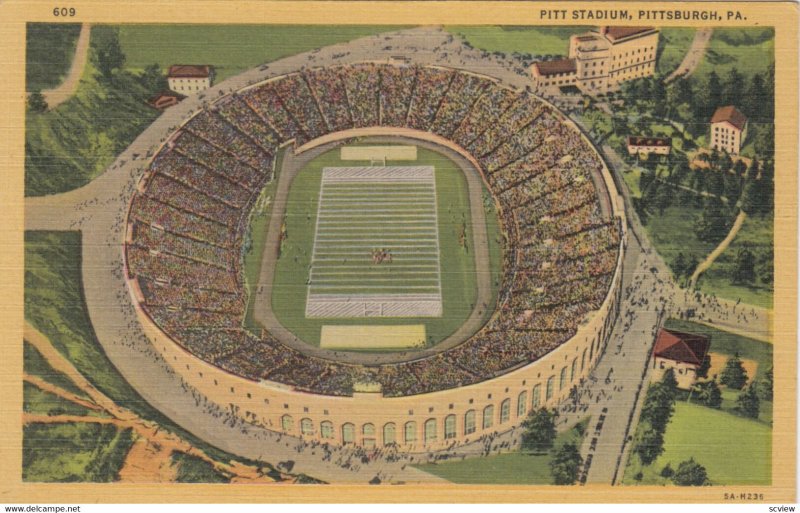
(705, 264)
(150, 460)
(694, 56)
(66, 89)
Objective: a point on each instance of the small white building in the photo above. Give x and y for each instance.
(644, 146)
(682, 352)
(728, 130)
(189, 79)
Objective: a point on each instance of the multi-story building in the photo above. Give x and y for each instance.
(189, 79)
(728, 130)
(599, 61)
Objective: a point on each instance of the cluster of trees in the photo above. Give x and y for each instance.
(539, 437)
(734, 376)
(659, 405)
(689, 473)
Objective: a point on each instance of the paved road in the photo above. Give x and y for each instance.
(67, 88)
(694, 56)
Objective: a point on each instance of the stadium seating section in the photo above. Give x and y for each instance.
(188, 224)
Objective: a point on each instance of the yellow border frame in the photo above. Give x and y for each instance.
(13, 16)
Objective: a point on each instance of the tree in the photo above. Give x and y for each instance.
(745, 270)
(649, 443)
(107, 54)
(712, 225)
(540, 430)
(36, 102)
(690, 473)
(679, 265)
(702, 372)
(658, 406)
(709, 394)
(153, 79)
(765, 386)
(670, 383)
(667, 471)
(747, 403)
(734, 86)
(566, 464)
(733, 375)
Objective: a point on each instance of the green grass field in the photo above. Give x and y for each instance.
(757, 235)
(191, 469)
(750, 51)
(674, 232)
(231, 49)
(39, 402)
(73, 452)
(537, 41)
(458, 282)
(49, 49)
(734, 450)
(675, 42)
(513, 468)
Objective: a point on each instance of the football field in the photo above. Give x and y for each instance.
(376, 244)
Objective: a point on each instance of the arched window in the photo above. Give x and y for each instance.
(430, 430)
(326, 429)
(488, 417)
(449, 427)
(469, 422)
(573, 370)
(411, 431)
(522, 404)
(562, 379)
(537, 396)
(550, 384)
(389, 436)
(505, 411)
(368, 430)
(306, 427)
(348, 433)
(287, 424)
(583, 360)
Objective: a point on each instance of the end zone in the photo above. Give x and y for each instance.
(372, 337)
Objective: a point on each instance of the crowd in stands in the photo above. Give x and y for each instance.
(187, 222)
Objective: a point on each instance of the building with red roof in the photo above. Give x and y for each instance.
(683, 352)
(600, 60)
(190, 78)
(728, 129)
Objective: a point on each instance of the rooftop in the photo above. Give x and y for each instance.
(681, 347)
(731, 115)
(618, 33)
(635, 140)
(189, 71)
(557, 66)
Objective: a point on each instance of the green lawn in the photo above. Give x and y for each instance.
(674, 232)
(734, 450)
(729, 343)
(458, 266)
(49, 50)
(512, 468)
(35, 365)
(750, 51)
(757, 235)
(54, 304)
(537, 41)
(675, 42)
(231, 49)
(73, 452)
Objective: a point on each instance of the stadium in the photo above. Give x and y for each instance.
(363, 251)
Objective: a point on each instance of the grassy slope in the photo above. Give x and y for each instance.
(231, 49)
(757, 233)
(676, 42)
(55, 305)
(49, 49)
(35, 365)
(192, 469)
(289, 291)
(734, 450)
(674, 232)
(754, 53)
(534, 40)
(511, 468)
(35, 400)
(73, 452)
